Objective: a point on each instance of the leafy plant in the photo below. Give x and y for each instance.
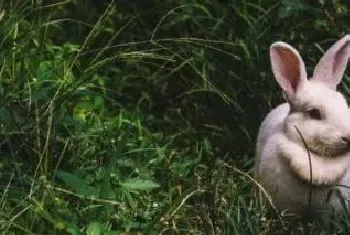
(132, 117)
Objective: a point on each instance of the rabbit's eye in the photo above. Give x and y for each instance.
(314, 114)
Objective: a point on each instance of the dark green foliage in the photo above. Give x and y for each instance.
(135, 116)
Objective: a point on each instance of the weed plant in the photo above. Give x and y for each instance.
(140, 117)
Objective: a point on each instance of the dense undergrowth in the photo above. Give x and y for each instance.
(140, 117)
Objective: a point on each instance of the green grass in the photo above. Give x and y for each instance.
(129, 117)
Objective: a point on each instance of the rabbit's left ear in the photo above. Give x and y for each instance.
(331, 67)
(288, 67)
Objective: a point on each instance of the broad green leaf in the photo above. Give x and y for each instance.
(72, 229)
(139, 184)
(44, 72)
(98, 102)
(96, 228)
(76, 183)
(81, 110)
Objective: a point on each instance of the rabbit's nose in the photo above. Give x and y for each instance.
(346, 139)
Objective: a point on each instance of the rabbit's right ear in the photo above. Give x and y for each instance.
(288, 67)
(332, 65)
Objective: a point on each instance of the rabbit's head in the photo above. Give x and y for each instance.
(317, 110)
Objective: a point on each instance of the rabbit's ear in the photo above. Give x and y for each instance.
(332, 65)
(287, 66)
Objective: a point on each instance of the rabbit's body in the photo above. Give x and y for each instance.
(289, 191)
(316, 116)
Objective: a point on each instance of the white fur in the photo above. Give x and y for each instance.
(282, 164)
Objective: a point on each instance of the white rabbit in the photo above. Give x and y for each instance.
(322, 116)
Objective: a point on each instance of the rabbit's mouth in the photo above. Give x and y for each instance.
(328, 150)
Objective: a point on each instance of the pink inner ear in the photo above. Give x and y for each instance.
(288, 66)
(340, 60)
